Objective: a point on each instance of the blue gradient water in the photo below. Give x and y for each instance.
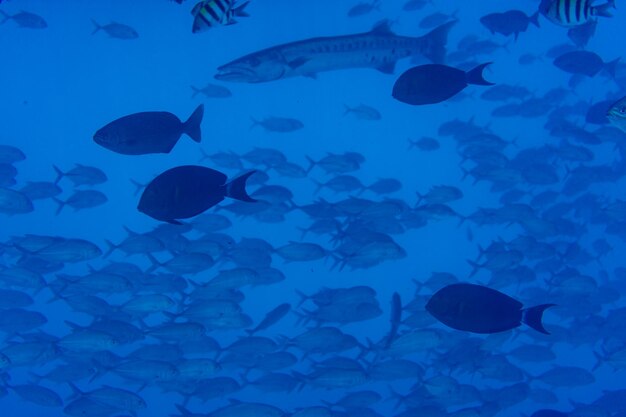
(60, 84)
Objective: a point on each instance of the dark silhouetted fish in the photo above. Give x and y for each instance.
(379, 48)
(186, 191)
(479, 309)
(148, 132)
(434, 83)
(509, 23)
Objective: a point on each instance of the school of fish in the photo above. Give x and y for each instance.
(296, 258)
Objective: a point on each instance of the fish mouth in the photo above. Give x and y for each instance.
(237, 74)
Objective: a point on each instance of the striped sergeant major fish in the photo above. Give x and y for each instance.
(570, 13)
(379, 48)
(210, 13)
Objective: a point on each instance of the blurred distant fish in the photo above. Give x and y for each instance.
(278, 124)
(412, 5)
(617, 114)
(148, 132)
(364, 8)
(585, 63)
(363, 112)
(82, 199)
(81, 175)
(379, 48)
(25, 20)
(210, 13)
(571, 13)
(186, 191)
(434, 83)
(116, 30)
(10, 154)
(14, 202)
(211, 91)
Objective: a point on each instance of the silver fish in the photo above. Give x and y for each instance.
(617, 114)
(379, 48)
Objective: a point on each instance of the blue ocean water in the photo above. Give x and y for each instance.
(540, 217)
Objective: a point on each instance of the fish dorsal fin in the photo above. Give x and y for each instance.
(197, 7)
(382, 28)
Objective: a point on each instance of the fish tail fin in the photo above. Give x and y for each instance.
(60, 174)
(196, 91)
(155, 264)
(611, 67)
(192, 125)
(602, 10)
(434, 42)
(5, 17)
(138, 186)
(76, 392)
(239, 10)
(97, 27)
(61, 205)
(534, 19)
(475, 75)
(319, 186)
(112, 246)
(237, 188)
(254, 121)
(311, 164)
(532, 317)
(475, 267)
(347, 110)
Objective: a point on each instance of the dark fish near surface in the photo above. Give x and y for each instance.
(186, 191)
(210, 13)
(434, 83)
(380, 49)
(571, 13)
(116, 30)
(148, 132)
(25, 20)
(479, 309)
(617, 114)
(509, 23)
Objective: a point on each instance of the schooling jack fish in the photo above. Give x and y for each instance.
(379, 48)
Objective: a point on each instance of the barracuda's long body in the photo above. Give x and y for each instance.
(379, 48)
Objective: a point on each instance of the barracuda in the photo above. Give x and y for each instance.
(379, 48)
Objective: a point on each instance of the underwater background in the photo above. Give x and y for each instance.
(520, 190)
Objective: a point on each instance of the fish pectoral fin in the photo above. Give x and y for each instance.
(298, 62)
(387, 67)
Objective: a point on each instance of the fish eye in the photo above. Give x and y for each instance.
(255, 62)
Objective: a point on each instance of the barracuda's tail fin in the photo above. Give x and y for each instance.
(434, 43)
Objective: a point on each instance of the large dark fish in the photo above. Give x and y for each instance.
(434, 83)
(186, 191)
(479, 309)
(148, 132)
(380, 49)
